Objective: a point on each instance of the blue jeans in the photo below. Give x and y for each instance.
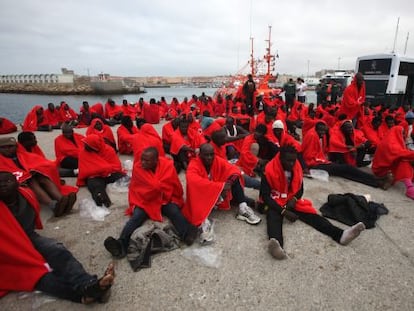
(68, 276)
(251, 182)
(170, 210)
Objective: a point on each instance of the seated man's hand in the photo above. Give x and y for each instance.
(290, 205)
(291, 216)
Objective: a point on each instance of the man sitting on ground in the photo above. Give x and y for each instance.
(155, 190)
(281, 191)
(39, 174)
(211, 182)
(98, 166)
(67, 148)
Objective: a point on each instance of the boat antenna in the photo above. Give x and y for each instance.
(406, 42)
(251, 17)
(395, 37)
(268, 56)
(252, 57)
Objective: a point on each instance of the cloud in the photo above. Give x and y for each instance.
(184, 37)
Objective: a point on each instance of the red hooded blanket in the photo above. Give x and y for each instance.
(150, 190)
(21, 265)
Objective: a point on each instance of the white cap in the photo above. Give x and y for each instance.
(278, 124)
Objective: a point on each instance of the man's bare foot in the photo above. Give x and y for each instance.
(100, 290)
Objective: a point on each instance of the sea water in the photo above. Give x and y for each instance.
(16, 106)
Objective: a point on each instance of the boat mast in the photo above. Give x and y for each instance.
(268, 56)
(252, 62)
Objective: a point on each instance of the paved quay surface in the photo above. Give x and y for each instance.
(374, 272)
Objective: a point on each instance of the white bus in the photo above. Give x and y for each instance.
(389, 78)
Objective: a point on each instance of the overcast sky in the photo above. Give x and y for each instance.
(195, 37)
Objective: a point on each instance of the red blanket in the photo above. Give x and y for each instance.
(194, 140)
(203, 190)
(32, 162)
(111, 111)
(7, 126)
(101, 162)
(281, 190)
(313, 152)
(21, 265)
(392, 155)
(247, 160)
(150, 190)
(125, 137)
(67, 148)
(106, 132)
(352, 100)
(337, 143)
(147, 137)
(67, 113)
(31, 121)
(151, 113)
(167, 132)
(52, 117)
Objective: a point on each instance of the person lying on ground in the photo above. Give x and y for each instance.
(29, 261)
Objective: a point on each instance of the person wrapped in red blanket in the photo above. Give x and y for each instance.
(39, 174)
(67, 148)
(211, 182)
(35, 120)
(99, 128)
(30, 262)
(392, 156)
(147, 137)
(185, 144)
(155, 191)
(98, 166)
(7, 126)
(282, 190)
(348, 145)
(126, 132)
(353, 98)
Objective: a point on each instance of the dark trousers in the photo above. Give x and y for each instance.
(275, 221)
(290, 99)
(349, 172)
(98, 184)
(68, 276)
(170, 210)
(237, 192)
(339, 157)
(70, 163)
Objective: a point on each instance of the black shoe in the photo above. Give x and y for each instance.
(115, 247)
(60, 206)
(71, 201)
(191, 235)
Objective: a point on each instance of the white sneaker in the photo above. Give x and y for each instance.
(246, 214)
(351, 233)
(207, 232)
